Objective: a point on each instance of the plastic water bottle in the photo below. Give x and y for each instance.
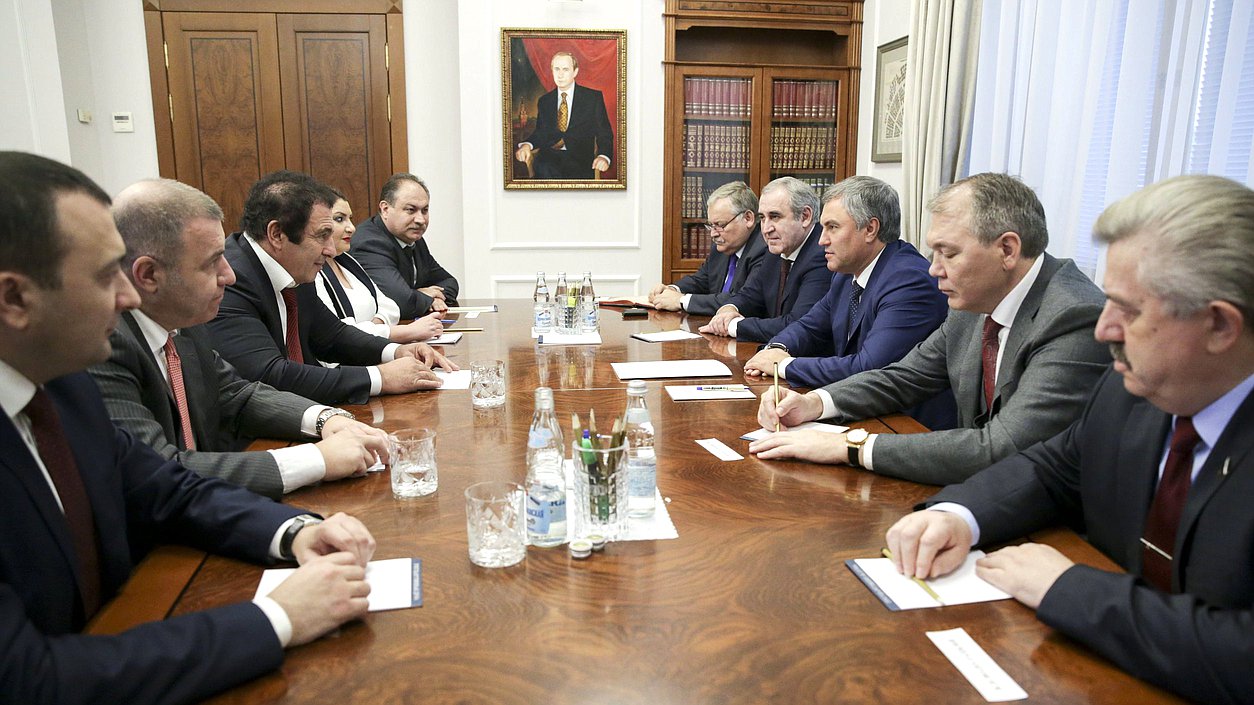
(588, 302)
(546, 480)
(543, 321)
(567, 300)
(641, 458)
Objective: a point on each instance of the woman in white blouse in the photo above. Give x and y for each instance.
(346, 289)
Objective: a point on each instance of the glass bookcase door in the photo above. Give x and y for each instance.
(804, 130)
(717, 146)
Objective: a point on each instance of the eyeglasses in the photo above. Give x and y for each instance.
(720, 227)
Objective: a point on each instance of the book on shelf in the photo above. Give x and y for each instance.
(717, 97)
(804, 99)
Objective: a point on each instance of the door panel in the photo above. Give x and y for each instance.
(224, 88)
(335, 102)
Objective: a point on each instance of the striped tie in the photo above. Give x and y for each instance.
(175, 364)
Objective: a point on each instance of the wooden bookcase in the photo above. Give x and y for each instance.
(754, 91)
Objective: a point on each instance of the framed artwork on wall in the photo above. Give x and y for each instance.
(890, 101)
(564, 108)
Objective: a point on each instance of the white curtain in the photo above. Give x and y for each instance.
(940, 87)
(1089, 100)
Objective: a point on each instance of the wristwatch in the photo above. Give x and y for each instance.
(774, 346)
(854, 441)
(326, 415)
(299, 523)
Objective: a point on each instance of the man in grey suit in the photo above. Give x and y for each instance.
(732, 211)
(1016, 349)
(163, 381)
(1158, 473)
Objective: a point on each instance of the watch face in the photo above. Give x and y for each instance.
(858, 435)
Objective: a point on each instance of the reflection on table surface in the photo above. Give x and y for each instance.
(751, 604)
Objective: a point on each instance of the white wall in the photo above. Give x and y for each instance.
(31, 111)
(509, 235)
(883, 22)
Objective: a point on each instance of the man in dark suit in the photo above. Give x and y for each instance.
(791, 278)
(286, 240)
(80, 498)
(572, 138)
(164, 382)
(1158, 473)
(732, 210)
(881, 303)
(391, 247)
(1016, 349)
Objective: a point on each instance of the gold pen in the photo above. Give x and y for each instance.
(775, 372)
(927, 588)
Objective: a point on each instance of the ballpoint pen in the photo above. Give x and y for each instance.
(919, 581)
(775, 373)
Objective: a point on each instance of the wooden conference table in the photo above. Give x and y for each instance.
(751, 604)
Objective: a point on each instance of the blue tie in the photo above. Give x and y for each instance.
(731, 274)
(855, 298)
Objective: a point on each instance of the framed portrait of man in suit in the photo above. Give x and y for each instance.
(564, 108)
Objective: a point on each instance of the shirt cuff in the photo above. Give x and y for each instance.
(309, 420)
(783, 367)
(299, 465)
(278, 539)
(731, 327)
(279, 620)
(864, 455)
(967, 516)
(389, 352)
(683, 300)
(829, 406)
(376, 380)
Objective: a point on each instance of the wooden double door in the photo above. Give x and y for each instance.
(240, 94)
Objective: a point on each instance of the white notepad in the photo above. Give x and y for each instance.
(665, 336)
(708, 392)
(807, 426)
(395, 583)
(670, 368)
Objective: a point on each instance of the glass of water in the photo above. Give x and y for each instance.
(496, 525)
(487, 383)
(414, 472)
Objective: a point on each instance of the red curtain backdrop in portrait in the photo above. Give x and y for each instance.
(598, 67)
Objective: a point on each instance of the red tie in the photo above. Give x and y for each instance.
(1164, 513)
(54, 450)
(988, 356)
(785, 266)
(175, 364)
(293, 327)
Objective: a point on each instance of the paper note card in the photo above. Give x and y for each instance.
(706, 392)
(670, 368)
(899, 592)
(719, 449)
(472, 309)
(664, 336)
(807, 426)
(977, 666)
(395, 583)
(454, 380)
(593, 338)
(446, 339)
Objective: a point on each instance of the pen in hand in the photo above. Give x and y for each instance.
(919, 581)
(775, 372)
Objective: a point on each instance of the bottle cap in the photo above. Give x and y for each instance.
(598, 541)
(580, 548)
(637, 386)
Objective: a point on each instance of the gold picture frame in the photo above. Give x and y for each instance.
(594, 64)
(890, 102)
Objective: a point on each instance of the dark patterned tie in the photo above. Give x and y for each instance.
(988, 359)
(175, 364)
(412, 252)
(294, 353)
(54, 450)
(563, 121)
(855, 300)
(784, 267)
(731, 274)
(1164, 515)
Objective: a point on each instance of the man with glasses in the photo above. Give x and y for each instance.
(792, 278)
(732, 210)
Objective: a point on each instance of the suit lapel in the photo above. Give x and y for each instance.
(263, 290)
(752, 252)
(193, 382)
(965, 378)
(1227, 457)
(152, 373)
(1023, 329)
(1140, 450)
